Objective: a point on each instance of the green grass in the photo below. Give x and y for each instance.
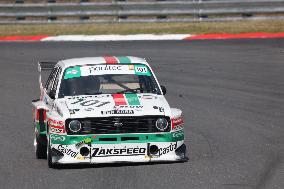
(270, 26)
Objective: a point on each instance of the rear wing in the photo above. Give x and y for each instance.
(44, 66)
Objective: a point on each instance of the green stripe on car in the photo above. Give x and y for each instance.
(132, 99)
(123, 59)
(116, 138)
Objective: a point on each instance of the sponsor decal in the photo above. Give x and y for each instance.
(73, 111)
(141, 70)
(170, 148)
(89, 109)
(72, 72)
(101, 152)
(177, 124)
(102, 69)
(118, 124)
(57, 129)
(99, 68)
(53, 122)
(127, 107)
(161, 109)
(65, 150)
(117, 112)
(56, 126)
(56, 137)
(89, 102)
(178, 134)
(178, 127)
(85, 141)
(126, 99)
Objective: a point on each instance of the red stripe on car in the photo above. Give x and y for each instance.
(119, 99)
(110, 60)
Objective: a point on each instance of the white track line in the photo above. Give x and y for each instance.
(138, 37)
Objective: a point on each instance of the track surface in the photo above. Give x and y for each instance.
(231, 92)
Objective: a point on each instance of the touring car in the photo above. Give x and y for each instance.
(105, 110)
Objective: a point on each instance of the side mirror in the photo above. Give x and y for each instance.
(164, 90)
(35, 100)
(52, 94)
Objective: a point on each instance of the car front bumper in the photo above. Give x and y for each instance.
(95, 149)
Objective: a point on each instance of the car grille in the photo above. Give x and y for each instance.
(116, 125)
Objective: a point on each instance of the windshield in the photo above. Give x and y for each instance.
(107, 79)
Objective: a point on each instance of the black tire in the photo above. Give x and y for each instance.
(40, 146)
(49, 157)
(49, 153)
(50, 163)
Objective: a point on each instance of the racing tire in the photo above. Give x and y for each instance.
(49, 157)
(40, 147)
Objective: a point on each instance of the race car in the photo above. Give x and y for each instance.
(105, 110)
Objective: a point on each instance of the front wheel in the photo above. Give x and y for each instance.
(40, 147)
(50, 163)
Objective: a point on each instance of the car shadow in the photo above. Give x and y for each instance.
(108, 165)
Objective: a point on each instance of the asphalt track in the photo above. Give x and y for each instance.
(231, 93)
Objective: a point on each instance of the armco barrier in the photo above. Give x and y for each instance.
(84, 11)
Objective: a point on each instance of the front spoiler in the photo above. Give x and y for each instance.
(128, 153)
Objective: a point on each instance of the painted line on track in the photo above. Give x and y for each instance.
(138, 37)
(23, 38)
(142, 37)
(236, 36)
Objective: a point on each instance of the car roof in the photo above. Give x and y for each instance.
(101, 60)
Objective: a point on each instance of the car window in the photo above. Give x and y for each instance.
(56, 80)
(51, 79)
(107, 79)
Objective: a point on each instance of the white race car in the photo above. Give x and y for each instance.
(105, 110)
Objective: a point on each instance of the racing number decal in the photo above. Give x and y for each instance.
(84, 102)
(141, 70)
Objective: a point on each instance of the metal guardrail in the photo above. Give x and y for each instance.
(140, 11)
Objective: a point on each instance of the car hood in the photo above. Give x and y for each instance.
(115, 105)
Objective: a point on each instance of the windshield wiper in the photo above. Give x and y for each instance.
(131, 90)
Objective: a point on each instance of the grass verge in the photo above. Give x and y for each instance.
(269, 26)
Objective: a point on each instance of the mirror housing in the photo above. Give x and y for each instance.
(52, 94)
(164, 89)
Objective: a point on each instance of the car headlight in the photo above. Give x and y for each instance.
(75, 126)
(162, 124)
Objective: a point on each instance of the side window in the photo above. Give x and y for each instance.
(56, 80)
(51, 79)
